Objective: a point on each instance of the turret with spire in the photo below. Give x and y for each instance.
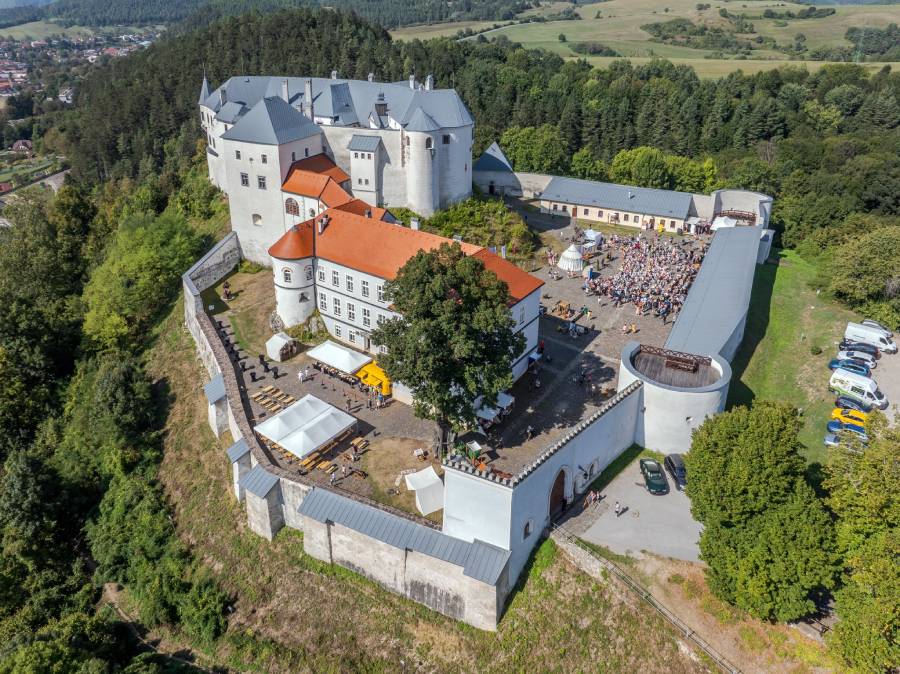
(204, 90)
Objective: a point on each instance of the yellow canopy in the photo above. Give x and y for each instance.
(372, 375)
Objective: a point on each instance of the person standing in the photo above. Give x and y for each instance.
(618, 509)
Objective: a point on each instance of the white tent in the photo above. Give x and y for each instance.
(339, 357)
(280, 346)
(723, 221)
(505, 401)
(305, 426)
(570, 260)
(429, 490)
(592, 235)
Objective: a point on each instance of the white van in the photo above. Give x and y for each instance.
(857, 332)
(856, 386)
(872, 323)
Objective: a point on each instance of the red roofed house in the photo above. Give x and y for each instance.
(339, 261)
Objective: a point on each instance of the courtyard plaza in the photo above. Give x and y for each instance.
(575, 375)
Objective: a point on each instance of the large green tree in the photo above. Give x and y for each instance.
(864, 493)
(455, 338)
(767, 540)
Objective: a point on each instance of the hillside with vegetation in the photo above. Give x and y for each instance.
(110, 481)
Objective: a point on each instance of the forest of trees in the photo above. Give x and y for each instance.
(86, 276)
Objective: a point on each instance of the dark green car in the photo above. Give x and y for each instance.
(654, 477)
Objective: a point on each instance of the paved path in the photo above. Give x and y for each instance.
(661, 525)
(887, 374)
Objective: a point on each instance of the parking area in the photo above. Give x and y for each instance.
(661, 525)
(887, 374)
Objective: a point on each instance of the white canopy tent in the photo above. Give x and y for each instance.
(339, 357)
(570, 260)
(280, 346)
(723, 221)
(592, 235)
(429, 490)
(505, 401)
(305, 426)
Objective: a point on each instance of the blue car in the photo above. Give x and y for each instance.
(836, 427)
(848, 403)
(854, 366)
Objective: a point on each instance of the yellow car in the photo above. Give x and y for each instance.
(846, 416)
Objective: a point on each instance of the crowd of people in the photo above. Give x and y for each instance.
(655, 274)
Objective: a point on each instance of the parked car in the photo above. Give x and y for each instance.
(869, 335)
(848, 403)
(849, 416)
(850, 345)
(854, 366)
(872, 323)
(866, 359)
(831, 440)
(837, 427)
(674, 464)
(852, 385)
(654, 477)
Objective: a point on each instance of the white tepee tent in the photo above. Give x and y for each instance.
(570, 261)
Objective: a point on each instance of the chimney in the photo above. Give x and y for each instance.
(412, 81)
(630, 194)
(308, 99)
(284, 91)
(414, 224)
(429, 83)
(223, 97)
(323, 223)
(334, 74)
(368, 213)
(371, 77)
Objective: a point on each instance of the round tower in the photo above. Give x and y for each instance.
(421, 174)
(294, 274)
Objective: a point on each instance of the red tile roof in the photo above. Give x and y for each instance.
(359, 207)
(294, 244)
(322, 165)
(304, 183)
(334, 195)
(380, 248)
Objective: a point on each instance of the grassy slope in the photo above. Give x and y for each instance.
(293, 613)
(787, 317)
(620, 22)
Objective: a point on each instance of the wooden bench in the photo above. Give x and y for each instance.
(359, 443)
(268, 388)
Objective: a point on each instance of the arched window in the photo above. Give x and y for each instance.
(429, 143)
(287, 275)
(257, 219)
(312, 212)
(528, 528)
(291, 207)
(309, 272)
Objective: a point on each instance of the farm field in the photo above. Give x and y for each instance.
(617, 24)
(40, 30)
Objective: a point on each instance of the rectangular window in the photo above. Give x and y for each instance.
(306, 152)
(521, 315)
(336, 279)
(367, 320)
(380, 293)
(336, 305)
(348, 281)
(356, 155)
(599, 214)
(381, 319)
(323, 302)
(625, 217)
(264, 159)
(367, 181)
(446, 139)
(237, 154)
(565, 209)
(352, 336)
(261, 182)
(351, 311)
(554, 207)
(365, 288)
(337, 330)
(245, 180)
(293, 156)
(382, 349)
(672, 224)
(322, 274)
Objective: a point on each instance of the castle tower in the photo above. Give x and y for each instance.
(421, 147)
(293, 270)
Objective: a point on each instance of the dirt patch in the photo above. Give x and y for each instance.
(386, 461)
(751, 645)
(253, 301)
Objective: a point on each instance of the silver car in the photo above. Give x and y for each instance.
(866, 358)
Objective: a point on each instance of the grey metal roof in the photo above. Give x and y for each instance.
(215, 389)
(363, 143)
(348, 102)
(479, 560)
(608, 196)
(258, 482)
(204, 90)
(230, 112)
(237, 450)
(493, 159)
(718, 299)
(271, 122)
(421, 121)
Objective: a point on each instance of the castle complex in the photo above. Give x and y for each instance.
(311, 167)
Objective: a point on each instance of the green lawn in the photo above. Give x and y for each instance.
(787, 318)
